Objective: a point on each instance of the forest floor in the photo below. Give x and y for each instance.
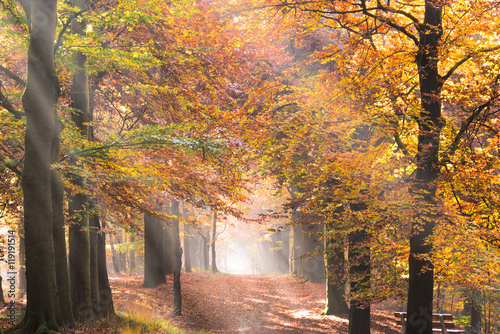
(220, 303)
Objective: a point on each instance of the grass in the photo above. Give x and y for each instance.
(138, 321)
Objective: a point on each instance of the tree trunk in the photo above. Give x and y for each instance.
(285, 251)
(79, 240)
(39, 101)
(161, 235)
(421, 270)
(206, 249)
(313, 266)
(114, 258)
(94, 264)
(132, 252)
(59, 234)
(359, 273)
(79, 258)
(152, 272)
(22, 259)
(105, 297)
(2, 299)
(214, 238)
(298, 249)
(178, 260)
(187, 240)
(336, 276)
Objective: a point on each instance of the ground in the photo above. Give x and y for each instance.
(231, 304)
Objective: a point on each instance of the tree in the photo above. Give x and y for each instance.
(178, 259)
(152, 271)
(39, 101)
(214, 239)
(79, 208)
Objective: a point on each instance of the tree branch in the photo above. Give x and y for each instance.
(65, 27)
(464, 59)
(5, 103)
(11, 75)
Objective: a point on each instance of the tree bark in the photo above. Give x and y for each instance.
(94, 264)
(284, 252)
(178, 260)
(2, 299)
(187, 240)
(421, 269)
(214, 237)
(336, 303)
(359, 273)
(106, 307)
(152, 272)
(22, 259)
(79, 239)
(298, 248)
(79, 257)
(59, 234)
(162, 246)
(114, 257)
(39, 102)
(132, 253)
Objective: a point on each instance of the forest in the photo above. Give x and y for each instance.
(258, 166)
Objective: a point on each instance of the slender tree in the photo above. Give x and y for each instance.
(187, 239)
(214, 239)
(178, 260)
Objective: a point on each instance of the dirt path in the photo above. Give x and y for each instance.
(240, 304)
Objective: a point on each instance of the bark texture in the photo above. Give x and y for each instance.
(178, 260)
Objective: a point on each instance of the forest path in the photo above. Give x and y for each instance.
(256, 304)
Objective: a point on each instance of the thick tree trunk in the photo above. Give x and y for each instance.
(39, 101)
(59, 235)
(313, 266)
(22, 259)
(187, 240)
(284, 253)
(94, 263)
(105, 297)
(214, 239)
(79, 239)
(152, 272)
(421, 270)
(79, 257)
(178, 260)
(359, 273)
(336, 303)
